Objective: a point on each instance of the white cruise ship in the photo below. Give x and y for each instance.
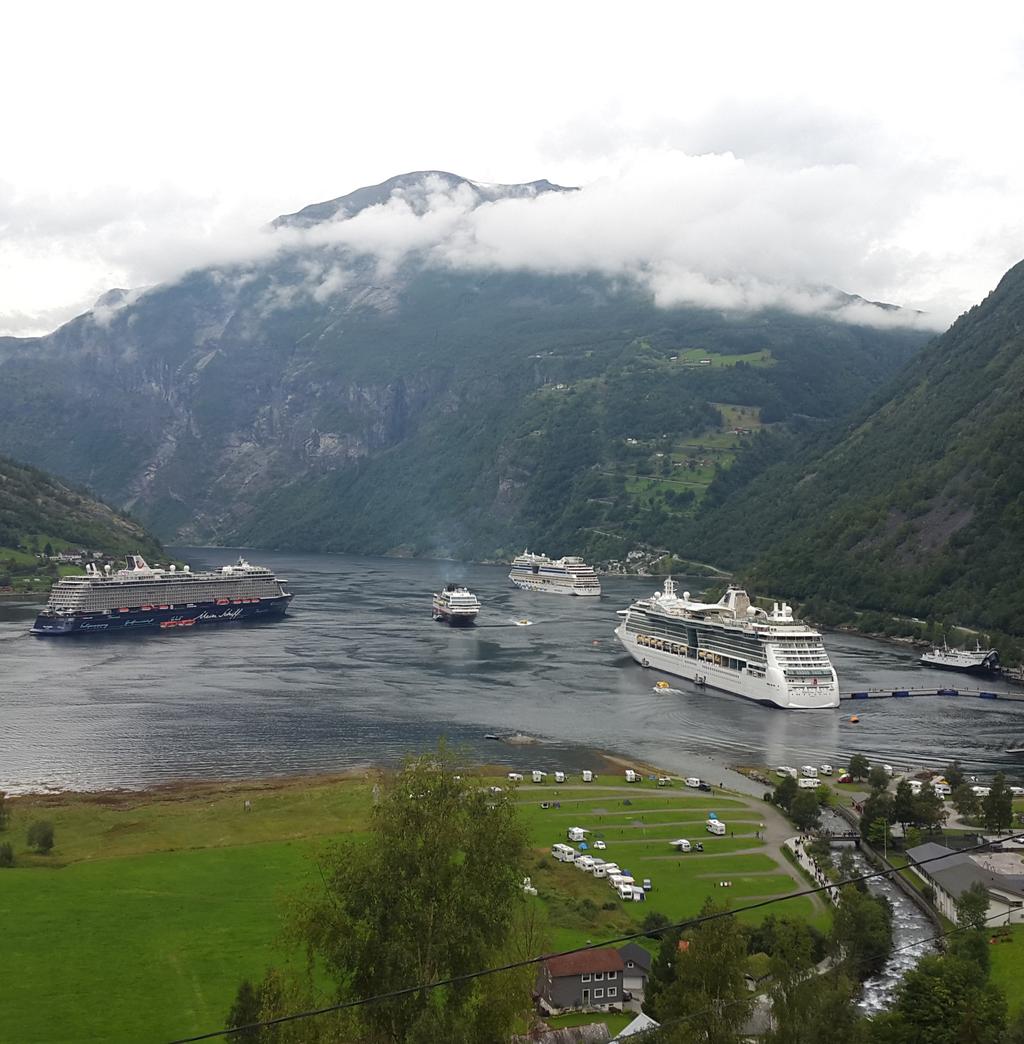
(732, 645)
(978, 660)
(140, 598)
(568, 575)
(456, 605)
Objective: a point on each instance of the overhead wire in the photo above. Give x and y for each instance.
(540, 958)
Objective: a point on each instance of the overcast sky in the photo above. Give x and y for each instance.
(873, 147)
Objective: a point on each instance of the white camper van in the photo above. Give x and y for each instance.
(588, 776)
(632, 777)
(563, 853)
(559, 777)
(809, 771)
(682, 844)
(577, 834)
(515, 777)
(716, 826)
(538, 776)
(808, 782)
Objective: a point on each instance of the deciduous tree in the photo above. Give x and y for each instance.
(805, 810)
(878, 778)
(997, 805)
(708, 994)
(785, 791)
(862, 929)
(434, 891)
(965, 801)
(972, 907)
(859, 767)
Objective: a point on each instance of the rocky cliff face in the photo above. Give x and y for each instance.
(324, 398)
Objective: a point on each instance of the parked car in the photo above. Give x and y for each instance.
(600, 846)
(845, 778)
(704, 786)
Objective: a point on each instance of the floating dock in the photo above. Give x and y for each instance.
(957, 693)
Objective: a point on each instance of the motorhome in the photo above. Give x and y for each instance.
(826, 770)
(809, 771)
(577, 834)
(588, 776)
(559, 777)
(808, 782)
(716, 826)
(682, 844)
(693, 781)
(786, 770)
(515, 777)
(625, 891)
(538, 776)
(632, 777)
(664, 781)
(585, 863)
(563, 853)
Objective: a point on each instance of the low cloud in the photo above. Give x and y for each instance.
(711, 229)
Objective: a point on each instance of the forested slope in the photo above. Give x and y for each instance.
(919, 507)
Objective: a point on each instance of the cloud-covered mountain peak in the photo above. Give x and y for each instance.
(416, 188)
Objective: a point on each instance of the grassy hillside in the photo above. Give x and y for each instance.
(153, 907)
(37, 513)
(917, 508)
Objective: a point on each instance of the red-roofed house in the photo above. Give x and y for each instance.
(587, 979)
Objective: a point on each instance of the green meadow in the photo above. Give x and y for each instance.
(152, 907)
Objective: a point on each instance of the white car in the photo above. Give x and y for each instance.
(599, 845)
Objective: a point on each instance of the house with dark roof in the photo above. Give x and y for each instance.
(952, 873)
(587, 980)
(636, 963)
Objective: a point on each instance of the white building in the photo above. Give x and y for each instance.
(952, 873)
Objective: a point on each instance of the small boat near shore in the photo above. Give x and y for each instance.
(976, 660)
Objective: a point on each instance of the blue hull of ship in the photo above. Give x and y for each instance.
(159, 620)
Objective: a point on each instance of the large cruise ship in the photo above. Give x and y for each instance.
(568, 575)
(976, 660)
(139, 598)
(732, 645)
(456, 605)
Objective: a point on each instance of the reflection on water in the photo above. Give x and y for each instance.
(359, 672)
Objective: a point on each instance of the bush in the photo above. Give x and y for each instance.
(610, 905)
(6, 855)
(40, 836)
(652, 924)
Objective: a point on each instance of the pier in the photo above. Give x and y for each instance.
(954, 693)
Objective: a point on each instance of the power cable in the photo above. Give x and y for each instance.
(513, 965)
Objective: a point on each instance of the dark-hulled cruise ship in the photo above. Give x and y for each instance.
(140, 598)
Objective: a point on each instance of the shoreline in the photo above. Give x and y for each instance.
(606, 762)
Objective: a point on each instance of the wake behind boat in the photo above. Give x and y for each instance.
(731, 645)
(456, 605)
(140, 598)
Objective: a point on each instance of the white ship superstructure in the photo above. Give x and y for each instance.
(732, 645)
(456, 605)
(140, 597)
(977, 659)
(569, 575)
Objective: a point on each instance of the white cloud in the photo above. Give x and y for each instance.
(736, 146)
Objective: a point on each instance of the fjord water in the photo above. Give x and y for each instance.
(359, 673)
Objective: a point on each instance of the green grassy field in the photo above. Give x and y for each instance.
(152, 907)
(1008, 964)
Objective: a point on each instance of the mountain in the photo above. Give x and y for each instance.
(330, 395)
(413, 188)
(36, 510)
(917, 507)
